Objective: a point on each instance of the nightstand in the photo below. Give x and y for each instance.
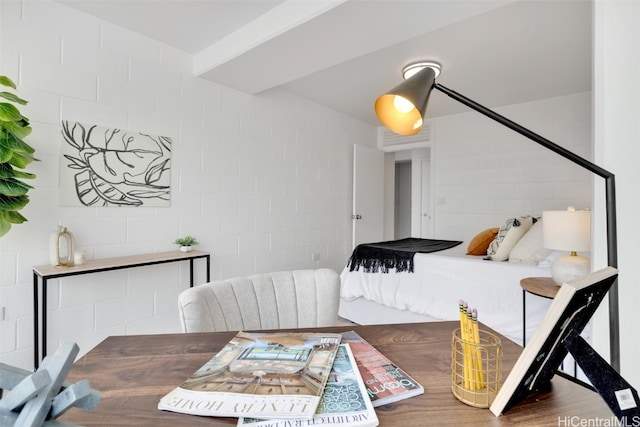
(541, 286)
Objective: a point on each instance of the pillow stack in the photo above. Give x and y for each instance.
(530, 249)
(519, 240)
(480, 243)
(510, 233)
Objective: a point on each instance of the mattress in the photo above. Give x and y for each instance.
(433, 292)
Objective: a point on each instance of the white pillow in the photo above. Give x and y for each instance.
(548, 261)
(530, 249)
(510, 233)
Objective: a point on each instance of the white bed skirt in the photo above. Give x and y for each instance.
(365, 312)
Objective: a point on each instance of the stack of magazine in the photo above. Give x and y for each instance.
(270, 379)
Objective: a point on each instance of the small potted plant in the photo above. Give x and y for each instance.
(186, 243)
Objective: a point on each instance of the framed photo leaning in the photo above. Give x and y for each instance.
(559, 334)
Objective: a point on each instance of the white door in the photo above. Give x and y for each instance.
(422, 219)
(426, 208)
(368, 194)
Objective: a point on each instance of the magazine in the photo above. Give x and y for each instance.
(260, 375)
(344, 403)
(384, 380)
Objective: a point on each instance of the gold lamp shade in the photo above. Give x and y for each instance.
(402, 108)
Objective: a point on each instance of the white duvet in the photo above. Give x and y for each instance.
(440, 280)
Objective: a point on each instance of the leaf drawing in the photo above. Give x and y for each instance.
(117, 167)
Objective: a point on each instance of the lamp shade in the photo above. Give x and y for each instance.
(402, 108)
(568, 230)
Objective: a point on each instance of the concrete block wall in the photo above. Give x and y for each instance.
(264, 182)
(486, 173)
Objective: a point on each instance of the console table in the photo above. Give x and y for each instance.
(46, 272)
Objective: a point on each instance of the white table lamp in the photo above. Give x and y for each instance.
(568, 230)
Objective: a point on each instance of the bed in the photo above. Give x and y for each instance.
(439, 281)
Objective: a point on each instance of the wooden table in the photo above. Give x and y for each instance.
(46, 272)
(134, 372)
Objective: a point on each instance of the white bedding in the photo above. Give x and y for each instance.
(440, 280)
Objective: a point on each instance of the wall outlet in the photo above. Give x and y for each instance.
(315, 257)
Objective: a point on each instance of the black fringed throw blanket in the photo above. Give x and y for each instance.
(398, 254)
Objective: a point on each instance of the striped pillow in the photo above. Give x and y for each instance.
(510, 233)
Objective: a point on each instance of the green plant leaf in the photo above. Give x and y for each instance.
(13, 187)
(19, 129)
(15, 154)
(14, 217)
(14, 98)
(5, 155)
(7, 218)
(11, 203)
(11, 142)
(6, 81)
(9, 113)
(20, 160)
(5, 225)
(186, 241)
(7, 171)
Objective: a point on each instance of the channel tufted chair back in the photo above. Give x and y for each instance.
(286, 299)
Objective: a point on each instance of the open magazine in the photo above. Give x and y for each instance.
(261, 375)
(384, 380)
(344, 403)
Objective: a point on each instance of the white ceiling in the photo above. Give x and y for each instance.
(345, 53)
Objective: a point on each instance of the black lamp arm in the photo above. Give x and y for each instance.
(524, 131)
(610, 196)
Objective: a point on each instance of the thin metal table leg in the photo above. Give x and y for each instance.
(36, 325)
(524, 318)
(44, 317)
(191, 272)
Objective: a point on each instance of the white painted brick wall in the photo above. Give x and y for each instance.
(264, 182)
(249, 177)
(486, 173)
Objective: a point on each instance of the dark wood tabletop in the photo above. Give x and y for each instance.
(134, 372)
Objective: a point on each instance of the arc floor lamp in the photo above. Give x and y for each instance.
(402, 110)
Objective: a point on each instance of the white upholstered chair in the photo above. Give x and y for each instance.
(286, 299)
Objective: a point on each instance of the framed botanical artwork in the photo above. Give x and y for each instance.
(110, 167)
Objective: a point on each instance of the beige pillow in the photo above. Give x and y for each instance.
(510, 233)
(480, 243)
(530, 249)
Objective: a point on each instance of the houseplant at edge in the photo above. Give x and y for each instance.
(15, 154)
